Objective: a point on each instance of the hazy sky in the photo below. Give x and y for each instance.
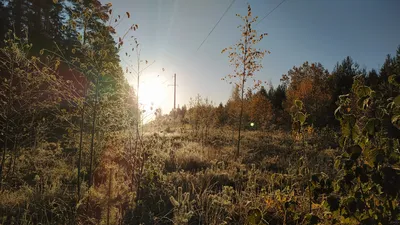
(170, 31)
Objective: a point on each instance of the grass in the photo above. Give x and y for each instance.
(227, 190)
(222, 189)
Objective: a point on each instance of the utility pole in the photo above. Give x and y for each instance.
(174, 91)
(174, 110)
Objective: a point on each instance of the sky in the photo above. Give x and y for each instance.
(325, 31)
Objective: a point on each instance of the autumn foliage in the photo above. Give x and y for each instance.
(309, 83)
(260, 110)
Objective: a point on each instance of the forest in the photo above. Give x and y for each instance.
(322, 147)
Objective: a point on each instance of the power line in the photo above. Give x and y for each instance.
(271, 11)
(216, 24)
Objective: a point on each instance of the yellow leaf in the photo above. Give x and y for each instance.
(55, 1)
(57, 64)
(315, 206)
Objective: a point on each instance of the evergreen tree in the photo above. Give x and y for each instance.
(5, 23)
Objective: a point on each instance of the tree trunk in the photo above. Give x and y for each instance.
(109, 198)
(17, 12)
(93, 132)
(9, 104)
(240, 122)
(80, 145)
(3, 158)
(241, 99)
(81, 125)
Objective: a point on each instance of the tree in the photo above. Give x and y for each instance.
(95, 56)
(45, 22)
(373, 79)
(47, 96)
(194, 114)
(342, 76)
(29, 97)
(390, 67)
(233, 107)
(37, 21)
(222, 116)
(341, 81)
(309, 84)
(99, 57)
(277, 97)
(246, 60)
(4, 19)
(260, 109)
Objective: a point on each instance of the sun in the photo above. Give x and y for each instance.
(152, 93)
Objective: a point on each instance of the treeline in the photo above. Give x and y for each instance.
(68, 118)
(269, 107)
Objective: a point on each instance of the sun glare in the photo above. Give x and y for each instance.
(152, 93)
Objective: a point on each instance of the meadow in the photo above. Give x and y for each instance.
(322, 147)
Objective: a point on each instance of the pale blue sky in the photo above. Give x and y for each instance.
(326, 31)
